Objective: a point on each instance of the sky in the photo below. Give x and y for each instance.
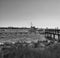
(20, 13)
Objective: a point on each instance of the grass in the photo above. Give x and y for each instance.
(7, 36)
(21, 52)
(52, 51)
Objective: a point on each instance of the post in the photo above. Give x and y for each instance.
(58, 37)
(53, 36)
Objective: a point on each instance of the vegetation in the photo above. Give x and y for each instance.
(23, 49)
(18, 50)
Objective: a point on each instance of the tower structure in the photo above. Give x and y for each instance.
(32, 29)
(31, 24)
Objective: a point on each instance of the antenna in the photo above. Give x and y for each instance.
(31, 24)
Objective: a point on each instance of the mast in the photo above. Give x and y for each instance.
(31, 24)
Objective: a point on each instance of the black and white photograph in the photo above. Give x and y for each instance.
(29, 28)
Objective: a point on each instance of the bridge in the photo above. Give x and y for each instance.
(52, 34)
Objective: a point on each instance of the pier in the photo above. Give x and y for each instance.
(53, 34)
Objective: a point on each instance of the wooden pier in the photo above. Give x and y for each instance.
(53, 34)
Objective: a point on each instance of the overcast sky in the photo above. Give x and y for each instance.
(20, 13)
